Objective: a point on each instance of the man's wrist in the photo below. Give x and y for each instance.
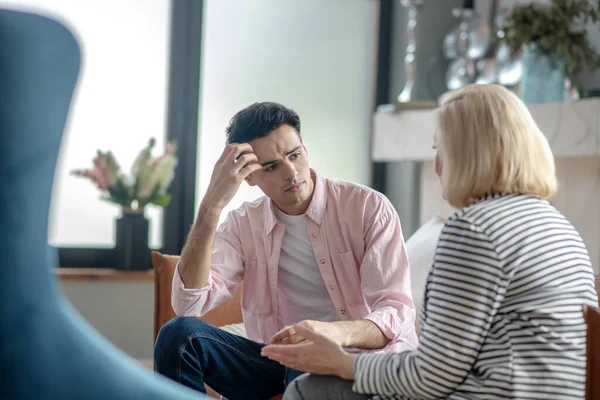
(342, 336)
(208, 212)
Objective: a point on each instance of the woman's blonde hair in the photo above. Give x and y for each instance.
(489, 143)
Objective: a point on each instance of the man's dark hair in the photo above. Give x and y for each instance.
(258, 120)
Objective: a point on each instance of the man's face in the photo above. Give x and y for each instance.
(285, 176)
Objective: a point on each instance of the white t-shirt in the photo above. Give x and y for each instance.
(301, 286)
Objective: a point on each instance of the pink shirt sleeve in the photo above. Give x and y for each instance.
(226, 271)
(385, 274)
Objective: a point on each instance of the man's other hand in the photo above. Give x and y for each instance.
(291, 335)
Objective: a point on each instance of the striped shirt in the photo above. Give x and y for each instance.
(502, 314)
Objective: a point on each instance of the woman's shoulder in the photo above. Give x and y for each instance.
(499, 216)
(492, 209)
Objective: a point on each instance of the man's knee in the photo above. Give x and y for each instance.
(173, 336)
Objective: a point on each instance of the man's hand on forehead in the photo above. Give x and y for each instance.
(244, 152)
(236, 163)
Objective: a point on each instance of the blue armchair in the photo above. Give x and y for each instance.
(46, 350)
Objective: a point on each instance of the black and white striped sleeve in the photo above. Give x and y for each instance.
(464, 290)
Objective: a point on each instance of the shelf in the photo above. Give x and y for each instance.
(103, 274)
(406, 132)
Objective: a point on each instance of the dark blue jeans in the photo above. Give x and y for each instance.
(193, 353)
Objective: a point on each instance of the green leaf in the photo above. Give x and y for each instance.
(161, 200)
(115, 201)
(120, 191)
(556, 27)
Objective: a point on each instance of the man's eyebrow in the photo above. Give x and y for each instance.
(267, 163)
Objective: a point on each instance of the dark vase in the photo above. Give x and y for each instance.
(132, 242)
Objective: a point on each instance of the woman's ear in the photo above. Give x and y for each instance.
(437, 165)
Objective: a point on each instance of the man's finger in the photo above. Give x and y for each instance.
(250, 168)
(282, 334)
(295, 339)
(225, 154)
(245, 160)
(309, 334)
(239, 149)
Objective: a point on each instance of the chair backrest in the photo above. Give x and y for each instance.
(164, 265)
(47, 350)
(592, 318)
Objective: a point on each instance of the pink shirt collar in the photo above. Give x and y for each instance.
(316, 208)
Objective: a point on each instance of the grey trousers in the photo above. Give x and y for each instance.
(319, 387)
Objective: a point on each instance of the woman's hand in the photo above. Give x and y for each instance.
(317, 354)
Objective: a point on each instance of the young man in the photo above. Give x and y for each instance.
(313, 251)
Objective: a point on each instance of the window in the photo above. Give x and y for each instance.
(126, 94)
(119, 103)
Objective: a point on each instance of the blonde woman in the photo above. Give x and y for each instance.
(502, 311)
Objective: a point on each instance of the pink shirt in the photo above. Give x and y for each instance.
(357, 242)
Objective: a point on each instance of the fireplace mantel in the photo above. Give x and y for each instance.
(573, 130)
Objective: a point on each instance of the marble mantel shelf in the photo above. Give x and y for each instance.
(572, 128)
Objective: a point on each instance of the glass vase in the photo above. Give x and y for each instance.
(544, 76)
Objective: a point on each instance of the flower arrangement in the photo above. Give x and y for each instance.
(147, 184)
(559, 27)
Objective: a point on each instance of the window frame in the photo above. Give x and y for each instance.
(383, 80)
(183, 106)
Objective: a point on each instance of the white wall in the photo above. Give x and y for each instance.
(313, 56)
(122, 311)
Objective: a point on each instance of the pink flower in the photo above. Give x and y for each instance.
(170, 149)
(99, 175)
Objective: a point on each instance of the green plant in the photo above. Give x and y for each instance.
(147, 184)
(559, 27)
